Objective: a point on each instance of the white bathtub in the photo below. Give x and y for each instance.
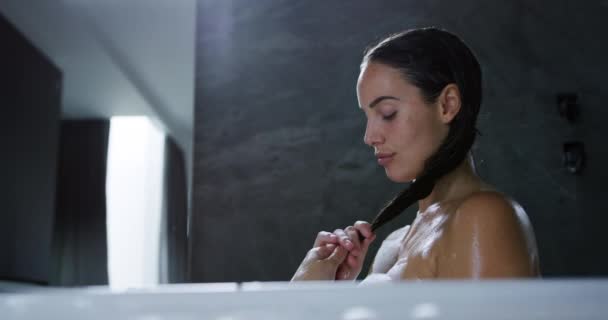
(538, 299)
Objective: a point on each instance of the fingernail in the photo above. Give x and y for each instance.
(348, 243)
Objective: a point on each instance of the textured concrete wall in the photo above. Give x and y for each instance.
(279, 151)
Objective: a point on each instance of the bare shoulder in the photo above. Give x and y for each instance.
(490, 236)
(498, 211)
(490, 207)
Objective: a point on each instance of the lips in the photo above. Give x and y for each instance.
(384, 158)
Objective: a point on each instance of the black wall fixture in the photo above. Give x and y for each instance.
(568, 107)
(574, 156)
(573, 152)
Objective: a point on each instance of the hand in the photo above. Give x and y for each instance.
(322, 261)
(357, 247)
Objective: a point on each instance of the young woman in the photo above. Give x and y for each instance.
(421, 93)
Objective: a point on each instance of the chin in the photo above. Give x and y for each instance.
(399, 177)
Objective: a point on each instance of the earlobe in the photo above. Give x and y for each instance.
(450, 102)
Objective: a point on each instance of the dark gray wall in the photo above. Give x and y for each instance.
(174, 237)
(30, 93)
(278, 137)
(80, 243)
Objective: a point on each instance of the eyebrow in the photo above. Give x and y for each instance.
(380, 99)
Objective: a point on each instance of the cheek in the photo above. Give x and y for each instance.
(416, 141)
(414, 135)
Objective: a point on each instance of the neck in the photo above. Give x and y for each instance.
(458, 183)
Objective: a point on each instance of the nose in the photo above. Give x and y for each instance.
(373, 136)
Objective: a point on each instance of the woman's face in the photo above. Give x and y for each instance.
(401, 127)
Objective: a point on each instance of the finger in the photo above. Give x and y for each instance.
(353, 235)
(345, 241)
(364, 228)
(366, 243)
(352, 261)
(325, 237)
(338, 255)
(322, 252)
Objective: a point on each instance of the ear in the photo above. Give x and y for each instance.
(449, 103)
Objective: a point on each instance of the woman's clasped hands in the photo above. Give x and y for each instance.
(337, 255)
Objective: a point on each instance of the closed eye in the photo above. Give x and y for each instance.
(390, 116)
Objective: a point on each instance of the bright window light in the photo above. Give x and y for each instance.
(134, 202)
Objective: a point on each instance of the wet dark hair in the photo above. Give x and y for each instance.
(431, 59)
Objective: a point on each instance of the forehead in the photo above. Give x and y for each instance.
(378, 79)
(374, 73)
